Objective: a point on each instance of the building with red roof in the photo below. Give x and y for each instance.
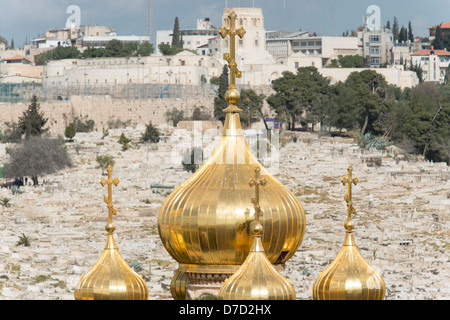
(445, 27)
(434, 63)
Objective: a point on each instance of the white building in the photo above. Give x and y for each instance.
(192, 38)
(282, 45)
(434, 64)
(102, 41)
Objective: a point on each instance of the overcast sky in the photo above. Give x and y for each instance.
(20, 19)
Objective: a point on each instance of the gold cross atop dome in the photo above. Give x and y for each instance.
(348, 198)
(257, 182)
(108, 200)
(232, 96)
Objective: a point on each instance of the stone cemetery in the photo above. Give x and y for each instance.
(401, 223)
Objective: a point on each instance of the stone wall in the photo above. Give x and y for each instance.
(104, 109)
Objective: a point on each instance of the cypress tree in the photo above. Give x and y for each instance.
(395, 29)
(32, 122)
(176, 38)
(219, 102)
(438, 40)
(410, 33)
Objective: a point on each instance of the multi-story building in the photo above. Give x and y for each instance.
(102, 41)
(192, 38)
(376, 45)
(68, 37)
(434, 64)
(445, 28)
(281, 45)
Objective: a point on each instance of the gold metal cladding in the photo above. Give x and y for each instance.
(111, 278)
(349, 277)
(206, 220)
(257, 279)
(348, 198)
(232, 95)
(108, 200)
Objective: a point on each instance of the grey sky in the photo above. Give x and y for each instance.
(20, 19)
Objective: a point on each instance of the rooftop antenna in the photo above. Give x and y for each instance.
(150, 19)
(332, 18)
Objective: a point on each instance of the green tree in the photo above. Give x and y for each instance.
(438, 41)
(124, 141)
(32, 121)
(12, 133)
(395, 29)
(57, 53)
(410, 32)
(220, 103)
(403, 36)
(175, 116)
(145, 49)
(93, 53)
(151, 134)
(168, 50)
(115, 48)
(427, 121)
(70, 132)
(287, 101)
(300, 97)
(104, 162)
(252, 104)
(369, 94)
(176, 38)
(343, 111)
(354, 61)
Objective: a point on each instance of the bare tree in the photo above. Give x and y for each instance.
(37, 156)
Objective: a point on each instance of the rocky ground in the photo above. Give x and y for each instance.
(402, 219)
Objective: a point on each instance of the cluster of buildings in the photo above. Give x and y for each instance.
(261, 55)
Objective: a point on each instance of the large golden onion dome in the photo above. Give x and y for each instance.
(111, 278)
(349, 277)
(257, 279)
(205, 223)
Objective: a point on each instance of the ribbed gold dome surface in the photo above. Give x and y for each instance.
(349, 277)
(205, 223)
(257, 279)
(206, 219)
(111, 278)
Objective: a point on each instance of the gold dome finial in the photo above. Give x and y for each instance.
(111, 278)
(108, 200)
(257, 279)
(348, 198)
(232, 95)
(349, 277)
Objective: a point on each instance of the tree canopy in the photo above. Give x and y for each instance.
(37, 156)
(32, 122)
(219, 102)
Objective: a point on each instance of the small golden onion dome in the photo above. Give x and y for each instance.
(257, 279)
(349, 277)
(111, 278)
